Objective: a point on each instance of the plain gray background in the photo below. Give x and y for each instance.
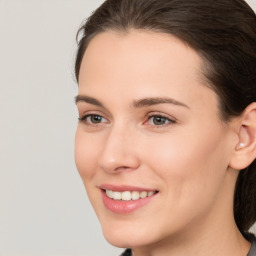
(44, 210)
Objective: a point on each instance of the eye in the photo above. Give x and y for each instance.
(158, 120)
(93, 119)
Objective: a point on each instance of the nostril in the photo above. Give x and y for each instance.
(122, 168)
(113, 167)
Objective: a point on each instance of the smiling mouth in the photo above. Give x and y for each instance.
(126, 199)
(129, 195)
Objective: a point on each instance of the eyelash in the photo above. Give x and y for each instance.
(84, 119)
(167, 121)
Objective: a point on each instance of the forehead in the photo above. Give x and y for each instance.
(140, 51)
(121, 67)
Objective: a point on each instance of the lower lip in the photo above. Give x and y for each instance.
(122, 207)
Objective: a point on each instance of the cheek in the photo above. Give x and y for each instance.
(192, 165)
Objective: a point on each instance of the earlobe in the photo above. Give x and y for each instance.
(245, 150)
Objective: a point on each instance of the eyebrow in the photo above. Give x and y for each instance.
(145, 102)
(87, 99)
(155, 101)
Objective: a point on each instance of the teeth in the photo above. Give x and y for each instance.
(135, 195)
(109, 193)
(143, 194)
(151, 193)
(128, 195)
(116, 195)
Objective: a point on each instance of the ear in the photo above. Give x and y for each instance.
(245, 150)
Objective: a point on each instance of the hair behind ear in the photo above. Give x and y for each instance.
(245, 198)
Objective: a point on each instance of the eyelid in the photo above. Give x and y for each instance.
(87, 112)
(84, 107)
(171, 120)
(85, 116)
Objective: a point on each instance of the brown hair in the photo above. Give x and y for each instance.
(223, 33)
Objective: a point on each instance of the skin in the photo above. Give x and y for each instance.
(187, 158)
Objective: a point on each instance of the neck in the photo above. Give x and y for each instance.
(201, 243)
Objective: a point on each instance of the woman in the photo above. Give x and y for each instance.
(166, 139)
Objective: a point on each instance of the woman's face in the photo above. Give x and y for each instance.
(150, 126)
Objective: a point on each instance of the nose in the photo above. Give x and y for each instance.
(119, 152)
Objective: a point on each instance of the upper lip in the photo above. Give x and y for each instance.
(122, 188)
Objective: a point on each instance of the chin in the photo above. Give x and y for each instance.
(130, 234)
(124, 240)
(119, 242)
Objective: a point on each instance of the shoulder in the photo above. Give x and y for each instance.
(252, 239)
(127, 252)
